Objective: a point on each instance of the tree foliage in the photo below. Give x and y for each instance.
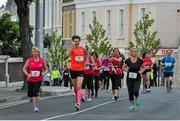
(97, 39)
(145, 39)
(10, 43)
(57, 54)
(25, 30)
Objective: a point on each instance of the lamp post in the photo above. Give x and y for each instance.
(39, 27)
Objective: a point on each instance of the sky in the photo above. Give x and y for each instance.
(2, 2)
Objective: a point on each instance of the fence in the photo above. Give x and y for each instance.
(11, 69)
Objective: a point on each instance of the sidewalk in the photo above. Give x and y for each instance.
(14, 94)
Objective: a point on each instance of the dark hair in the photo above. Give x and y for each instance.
(76, 37)
(144, 54)
(95, 53)
(118, 50)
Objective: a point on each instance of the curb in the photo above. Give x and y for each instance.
(42, 94)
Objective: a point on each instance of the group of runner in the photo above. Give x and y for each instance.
(87, 67)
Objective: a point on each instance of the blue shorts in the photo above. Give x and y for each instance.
(168, 74)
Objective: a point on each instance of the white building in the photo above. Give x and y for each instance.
(119, 17)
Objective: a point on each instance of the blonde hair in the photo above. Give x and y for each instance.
(36, 49)
(134, 48)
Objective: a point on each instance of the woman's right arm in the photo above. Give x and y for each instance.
(25, 68)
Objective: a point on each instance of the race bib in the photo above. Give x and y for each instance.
(132, 75)
(87, 67)
(35, 73)
(106, 69)
(79, 58)
(65, 73)
(168, 64)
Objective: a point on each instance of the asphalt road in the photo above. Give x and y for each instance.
(157, 105)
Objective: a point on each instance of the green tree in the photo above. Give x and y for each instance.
(57, 54)
(145, 39)
(97, 39)
(9, 36)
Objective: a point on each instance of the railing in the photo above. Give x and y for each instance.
(11, 69)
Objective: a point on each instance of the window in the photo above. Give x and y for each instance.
(108, 22)
(82, 23)
(142, 12)
(93, 15)
(121, 24)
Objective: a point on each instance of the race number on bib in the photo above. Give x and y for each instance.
(168, 64)
(79, 58)
(87, 67)
(132, 75)
(35, 73)
(106, 69)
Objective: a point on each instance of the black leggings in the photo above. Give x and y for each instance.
(97, 79)
(133, 88)
(87, 81)
(34, 88)
(116, 80)
(106, 77)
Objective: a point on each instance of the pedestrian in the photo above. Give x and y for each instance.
(97, 74)
(66, 77)
(47, 78)
(134, 68)
(147, 73)
(88, 75)
(35, 68)
(77, 68)
(115, 72)
(168, 62)
(56, 77)
(105, 66)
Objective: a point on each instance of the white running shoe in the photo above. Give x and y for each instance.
(77, 107)
(89, 99)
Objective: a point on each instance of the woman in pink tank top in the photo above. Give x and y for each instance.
(35, 68)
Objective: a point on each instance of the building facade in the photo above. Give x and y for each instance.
(119, 17)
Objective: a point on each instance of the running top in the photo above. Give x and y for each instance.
(88, 67)
(77, 59)
(117, 67)
(147, 63)
(105, 62)
(133, 69)
(97, 65)
(35, 69)
(168, 61)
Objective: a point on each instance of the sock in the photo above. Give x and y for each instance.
(79, 96)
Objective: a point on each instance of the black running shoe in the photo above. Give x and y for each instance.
(115, 98)
(82, 100)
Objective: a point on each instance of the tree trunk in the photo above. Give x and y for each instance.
(26, 44)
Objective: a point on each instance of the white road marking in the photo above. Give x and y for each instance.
(81, 111)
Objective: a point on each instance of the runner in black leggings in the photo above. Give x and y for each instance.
(134, 68)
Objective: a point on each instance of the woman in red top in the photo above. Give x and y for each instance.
(146, 75)
(97, 68)
(88, 74)
(115, 71)
(77, 69)
(35, 68)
